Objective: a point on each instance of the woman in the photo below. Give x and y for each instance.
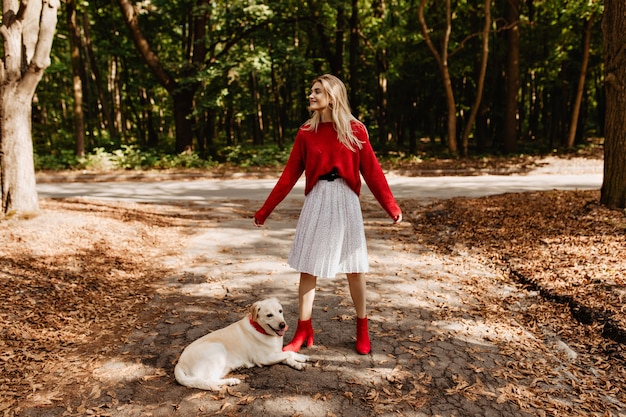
(333, 150)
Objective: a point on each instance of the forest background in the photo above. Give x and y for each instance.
(169, 84)
(191, 83)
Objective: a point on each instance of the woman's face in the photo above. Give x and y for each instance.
(318, 99)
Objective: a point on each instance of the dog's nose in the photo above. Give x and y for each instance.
(282, 325)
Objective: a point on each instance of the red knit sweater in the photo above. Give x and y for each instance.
(317, 153)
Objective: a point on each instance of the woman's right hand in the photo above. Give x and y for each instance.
(256, 222)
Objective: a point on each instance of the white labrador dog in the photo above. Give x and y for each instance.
(255, 340)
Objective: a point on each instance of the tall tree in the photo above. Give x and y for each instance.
(28, 31)
(481, 77)
(200, 51)
(442, 62)
(103, 99)
(331, 42)
(354, 57)
(77, 79)
(580, 90)
(511, 101)
(182, 95)
(613, 192)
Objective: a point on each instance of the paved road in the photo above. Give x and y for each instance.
(200, 191)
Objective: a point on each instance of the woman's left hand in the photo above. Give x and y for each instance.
(397, 219)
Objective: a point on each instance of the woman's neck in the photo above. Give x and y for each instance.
(325, 116)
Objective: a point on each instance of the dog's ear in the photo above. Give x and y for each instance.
(254, 311)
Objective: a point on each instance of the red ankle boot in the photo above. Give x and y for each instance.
(363, 345)
(303, 336)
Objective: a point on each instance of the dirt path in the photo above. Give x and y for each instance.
(447, 340)
(449, 334)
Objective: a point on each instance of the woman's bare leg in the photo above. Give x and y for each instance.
(358, 292)
(306, 295)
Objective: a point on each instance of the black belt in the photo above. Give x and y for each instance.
(331, 176)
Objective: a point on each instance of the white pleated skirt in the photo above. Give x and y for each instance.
(330, 237)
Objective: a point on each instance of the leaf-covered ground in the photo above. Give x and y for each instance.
(73, 279)
(563, 244)
(84, 283)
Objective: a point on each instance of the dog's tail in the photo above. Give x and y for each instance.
(193, 381)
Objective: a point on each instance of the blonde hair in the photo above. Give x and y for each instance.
(340, 111)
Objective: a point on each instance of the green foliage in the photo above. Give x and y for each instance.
(249, 156)
(98, 160)
(126, 158)
(66, 159)
(131, 157)
(252, 88)
(187, 160)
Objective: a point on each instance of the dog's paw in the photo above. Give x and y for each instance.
(230, 381)
(300, 357)
(297, 365)
(296, 360)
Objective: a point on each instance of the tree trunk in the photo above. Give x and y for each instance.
(571, 137)
(146, 110)
(340, 28)
(512, 77)
(108, 119)
(143, 46)
(334, 56)
(442, 62)
(183, 106)
(383, 124)
(481, 77)
(19, 193)
(258, 130)
(28, 32)
(278, 120)
(613, 192)
(354, 59)
(77, 82)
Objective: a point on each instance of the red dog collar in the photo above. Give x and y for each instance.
(258, 327)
